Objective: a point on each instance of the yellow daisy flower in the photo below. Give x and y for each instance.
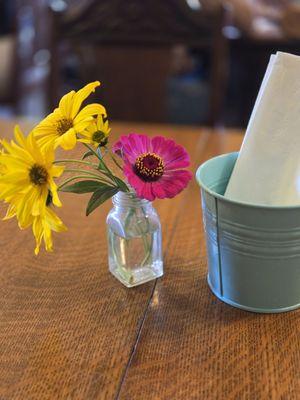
(96, 133)
(61, 126)
(27, 181)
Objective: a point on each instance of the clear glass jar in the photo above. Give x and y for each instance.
(134, 240)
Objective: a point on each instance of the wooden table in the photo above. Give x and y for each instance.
(69, 330)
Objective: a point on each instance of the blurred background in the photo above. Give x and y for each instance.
(175, 61)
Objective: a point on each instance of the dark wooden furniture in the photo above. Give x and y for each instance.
(69, 330)
(127, 45)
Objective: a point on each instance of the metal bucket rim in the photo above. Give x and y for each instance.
(225, 199)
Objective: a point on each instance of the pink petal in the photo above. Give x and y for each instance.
(146, 192)
(143, 189)
(117, 148)
(123, 148)
(162, 146)
(142, 141)
(174, 155)
(158, 190)
(137, 144)
(157, 144)
(173, 182)
(132, 146)
(178, 158)
(134, 180)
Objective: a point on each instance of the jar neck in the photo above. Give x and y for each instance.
(129, 200)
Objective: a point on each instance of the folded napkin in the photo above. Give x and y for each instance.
(267, 170)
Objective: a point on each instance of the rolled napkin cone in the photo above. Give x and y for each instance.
(267, 171)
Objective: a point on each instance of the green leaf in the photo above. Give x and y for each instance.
(122, 185)
(99, 197)
(87, 154)
(87, 186)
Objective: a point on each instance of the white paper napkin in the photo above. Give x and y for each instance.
(267, 170)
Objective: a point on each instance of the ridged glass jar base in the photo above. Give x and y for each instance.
(139, 275)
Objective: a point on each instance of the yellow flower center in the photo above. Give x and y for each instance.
(38, 175)
(100, 137)
(63, 125)
(149, 166)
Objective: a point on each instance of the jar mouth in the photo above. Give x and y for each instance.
(129, 199)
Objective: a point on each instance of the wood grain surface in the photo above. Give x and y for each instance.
(69, 330)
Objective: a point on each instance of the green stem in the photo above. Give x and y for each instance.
(82, 171)
(148, 252)
(76, 177)
(116, 162)
(101, 162)
(102, 155)
(146, 245)
(103, 167)
(92, 150)
(75, 161)
(123, 272)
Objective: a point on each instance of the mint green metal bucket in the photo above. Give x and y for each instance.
(253, 251)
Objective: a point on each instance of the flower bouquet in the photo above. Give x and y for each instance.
(152, 168)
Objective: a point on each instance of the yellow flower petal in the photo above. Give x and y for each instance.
(54, 222)
(55, 198)
(66, 104)
(37, 229)
(81, 95)
(43, 226)
(89, 111)
(28, 206)
(10, 213)
(68, 140)
(85, 141)
(46, 142)
(18, 152)
(19, 136)
(82, 125)
(57, 170)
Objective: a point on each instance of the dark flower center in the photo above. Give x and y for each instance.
(149, 167)
(63, 125)
(99, 137)
(38, 175)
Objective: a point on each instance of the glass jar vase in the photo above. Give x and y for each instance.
(134, 240)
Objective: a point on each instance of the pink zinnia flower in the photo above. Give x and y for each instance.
(153, 166)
